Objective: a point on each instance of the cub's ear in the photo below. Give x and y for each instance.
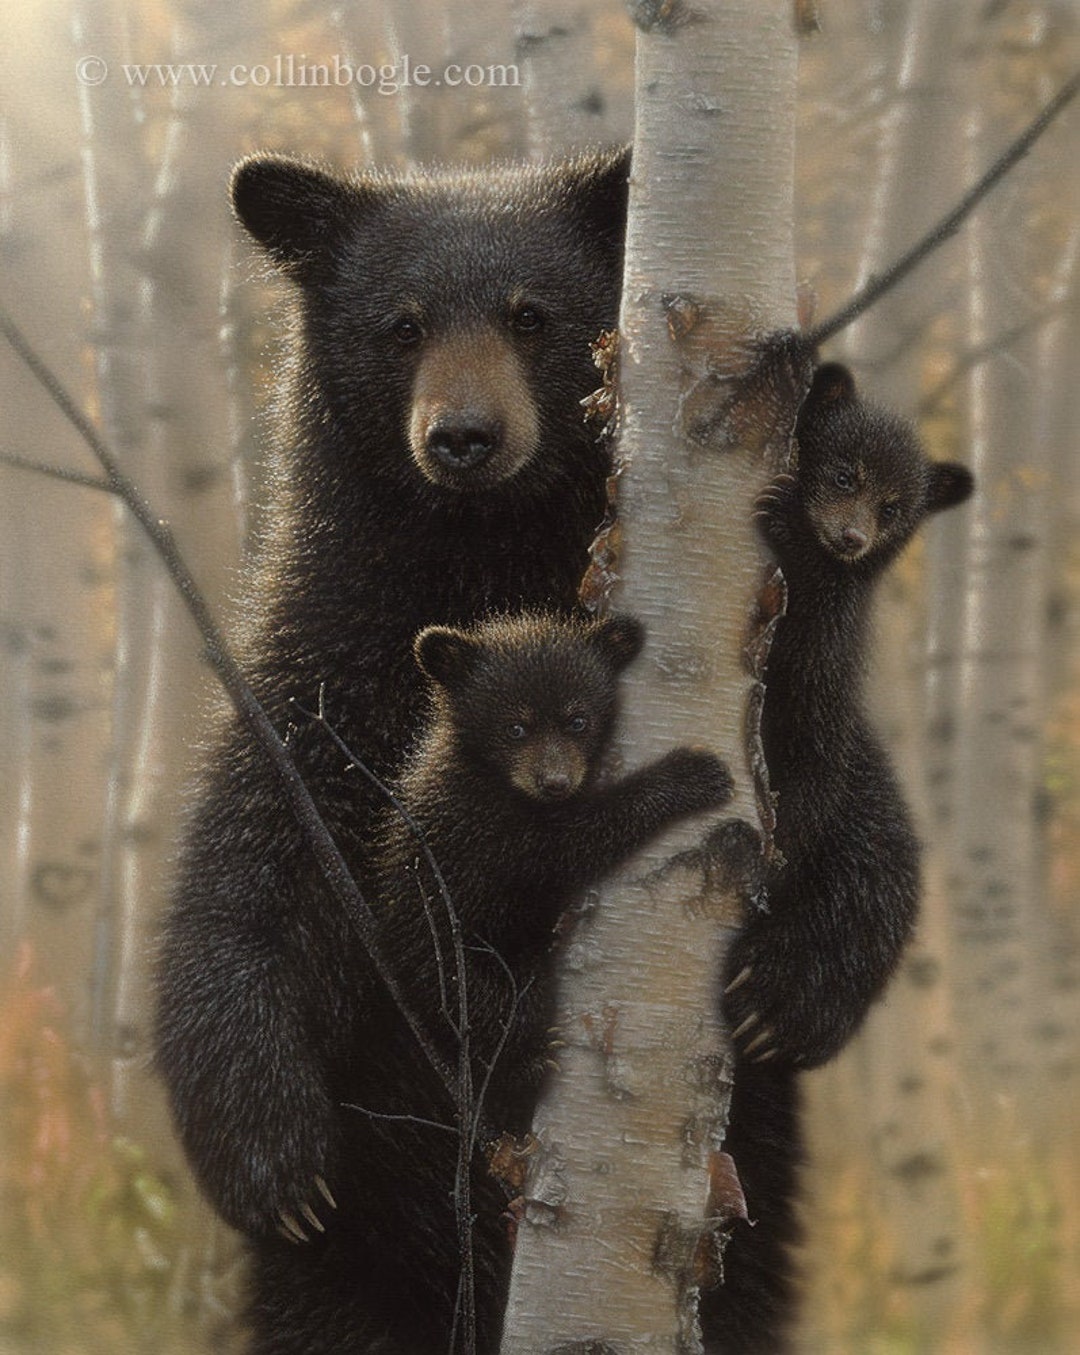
(445, 655)
(598, 186)
(832, 384)
(950, 484)
(620, 639)
(294, 210)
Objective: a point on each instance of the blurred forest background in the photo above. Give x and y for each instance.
(943, 1198)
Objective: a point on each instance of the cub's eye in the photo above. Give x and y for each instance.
(516, 732)
(526, 319)
(407, 332)
(578, 724)
(888, 512)
(844, 479)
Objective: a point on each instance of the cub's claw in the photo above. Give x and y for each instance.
(762, 1038)
(739, 979)
(290, 1227)
(324, 1191)
(762, 1041)
(744, 1026)
(312, 1218)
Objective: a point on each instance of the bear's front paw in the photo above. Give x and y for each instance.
(698, 778)
(774, 1008)
(274, 1172)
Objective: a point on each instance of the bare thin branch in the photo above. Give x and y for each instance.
(331, 863)
(465, 1308)
(440, 963)
(878, 285)
(517, 994)
(408, 1119)
(71, 477)
(1000, 343)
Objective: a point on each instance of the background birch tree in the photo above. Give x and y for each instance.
(104, 1244)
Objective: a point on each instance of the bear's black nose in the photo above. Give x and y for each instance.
(852, 541)
(554, 785)
(463, 444)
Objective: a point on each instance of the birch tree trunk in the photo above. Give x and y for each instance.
(617, 1199)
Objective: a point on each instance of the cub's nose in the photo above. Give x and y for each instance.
(463, 443)
(554, 785)
(852, 541)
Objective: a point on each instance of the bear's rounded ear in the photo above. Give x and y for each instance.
(950, 484)
(598, 185)
(445, 655)
(294, 210)
(832, 384)
(620, 638)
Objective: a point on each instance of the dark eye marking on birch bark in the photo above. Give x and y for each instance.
(712, 1073)
(675, 1247)
(59, 885)
(661, 16)
(807, 17)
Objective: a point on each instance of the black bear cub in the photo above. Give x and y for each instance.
(500, 818)
(864, 485)
(503, 791)
(842, 904)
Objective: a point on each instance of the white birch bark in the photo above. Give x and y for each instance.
(620, 1185)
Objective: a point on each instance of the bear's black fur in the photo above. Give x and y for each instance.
(435, 462)
(841, 906)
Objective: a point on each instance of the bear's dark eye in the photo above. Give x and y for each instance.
(407, 331)
(578, 724)
(516, 732)
(844, 479)
(526, 319)
(888, 512)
